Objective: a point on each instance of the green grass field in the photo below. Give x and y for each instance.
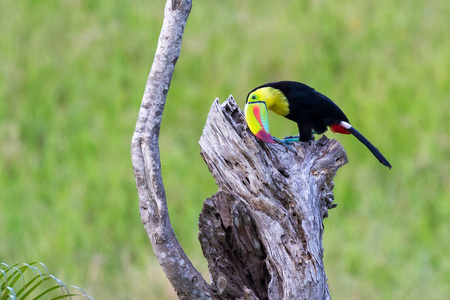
(72, 78)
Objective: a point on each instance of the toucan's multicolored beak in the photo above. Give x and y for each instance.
(258, 120)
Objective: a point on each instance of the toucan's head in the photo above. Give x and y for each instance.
(258, 101)
(257, 117)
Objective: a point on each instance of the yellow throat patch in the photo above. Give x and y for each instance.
(275, 100)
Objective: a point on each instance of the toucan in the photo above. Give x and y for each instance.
(312, 111)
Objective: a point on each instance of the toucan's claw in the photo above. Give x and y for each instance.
(284, 143)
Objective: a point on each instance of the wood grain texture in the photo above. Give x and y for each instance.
(262, 232)
(185, 279)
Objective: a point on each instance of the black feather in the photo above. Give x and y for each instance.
(369, 146)
(314, 112)
(311, 110)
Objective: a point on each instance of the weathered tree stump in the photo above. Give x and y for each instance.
(262, 232)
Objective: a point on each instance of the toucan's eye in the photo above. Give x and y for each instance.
(253, 97)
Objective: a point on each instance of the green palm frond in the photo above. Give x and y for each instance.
(35, 284)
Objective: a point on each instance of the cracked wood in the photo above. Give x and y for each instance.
(262, 232)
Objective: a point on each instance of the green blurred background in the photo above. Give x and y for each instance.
(72, 79)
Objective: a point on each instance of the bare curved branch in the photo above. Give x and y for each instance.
(186, 280)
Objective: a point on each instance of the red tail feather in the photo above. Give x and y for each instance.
(338, 128)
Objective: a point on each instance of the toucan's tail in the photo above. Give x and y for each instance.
(369, 146)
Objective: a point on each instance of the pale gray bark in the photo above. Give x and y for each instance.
(262, 232)
(186, 280)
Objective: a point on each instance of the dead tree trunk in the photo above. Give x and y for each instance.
(262, 232)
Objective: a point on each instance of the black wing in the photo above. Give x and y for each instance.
(304, 99)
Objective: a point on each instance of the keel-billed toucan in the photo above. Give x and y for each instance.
(312, 111)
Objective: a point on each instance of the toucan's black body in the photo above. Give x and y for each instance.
(312, 111)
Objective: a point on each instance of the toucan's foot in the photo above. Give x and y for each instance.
(284, 143)
(295, 138)
(291, 139)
